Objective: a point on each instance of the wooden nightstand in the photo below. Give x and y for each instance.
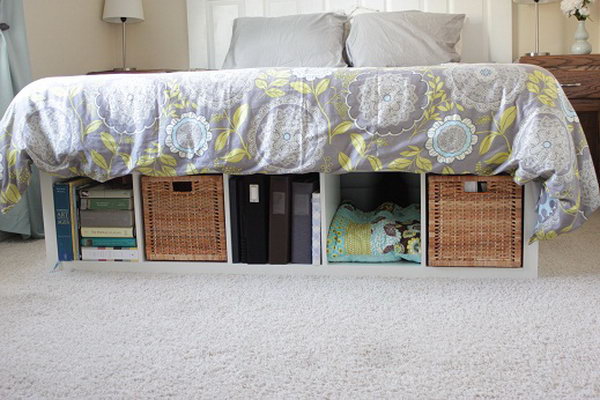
(580, 78)
(144, 71)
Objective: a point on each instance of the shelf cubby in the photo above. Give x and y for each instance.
(333, 189)
(367, 191)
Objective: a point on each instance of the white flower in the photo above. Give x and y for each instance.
(451, 139)
(576, 8)
(188, 135)
(569, 7)
(1, 165)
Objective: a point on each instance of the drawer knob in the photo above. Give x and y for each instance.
(570, 84)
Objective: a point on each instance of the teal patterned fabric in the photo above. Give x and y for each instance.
(389, 233)
(482, 119)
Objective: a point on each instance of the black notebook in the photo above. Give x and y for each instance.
(254, 218)
(234, 212)
(302, 221)
(279, 219)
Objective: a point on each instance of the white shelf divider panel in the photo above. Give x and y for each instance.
(530, 251)
(330, 198)
(423, 220)
(226, 200)
(138, 212)
(46, 182)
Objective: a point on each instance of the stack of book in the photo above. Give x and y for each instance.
(66, 213)
(107, 223)
(275, 219)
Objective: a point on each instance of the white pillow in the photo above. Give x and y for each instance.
(404, 39)
(307, 40)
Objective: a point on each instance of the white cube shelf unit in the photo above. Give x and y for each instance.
(330, 198)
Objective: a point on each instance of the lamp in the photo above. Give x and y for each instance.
(537, 24)
(123, 12)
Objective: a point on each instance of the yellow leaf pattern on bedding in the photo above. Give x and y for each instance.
(235, 155)
(544, 86)
(11, 194)
(99, 160)
(375, 163)
(482, 119)
(359, 143)
(109, 142)
(345, 162)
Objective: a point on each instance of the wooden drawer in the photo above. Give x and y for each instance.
(579, 84)
(567, 61)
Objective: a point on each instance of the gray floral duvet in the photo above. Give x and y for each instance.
(454, 119)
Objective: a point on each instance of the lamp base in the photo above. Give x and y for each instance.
(537, 54)
(128, 69)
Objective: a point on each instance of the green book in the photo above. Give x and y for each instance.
(108, 242)
(107, 204)
(106, 191)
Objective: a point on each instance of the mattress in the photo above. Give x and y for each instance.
(482, 119)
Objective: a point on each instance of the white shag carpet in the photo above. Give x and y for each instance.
(107, 335)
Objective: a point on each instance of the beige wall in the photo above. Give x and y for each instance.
(556, 30)
(161, 40)
(68, 36)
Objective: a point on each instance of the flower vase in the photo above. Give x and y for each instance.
(581, 45)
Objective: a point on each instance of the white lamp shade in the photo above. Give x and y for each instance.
(114, 10)
(535, 1)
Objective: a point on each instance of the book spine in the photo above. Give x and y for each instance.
(279, 220)
(62, 213)
(302, 222)
(90, 232)
(108, 253)
(106, 218)
(316, 229)
(108, 242)
(255, 219)
(73, 198)
(234, 214)
(107, 194)
(109, 204)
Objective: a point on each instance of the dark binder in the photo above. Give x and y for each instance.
(254, 216)
(234, 212)
(302, 221)
(279, 219)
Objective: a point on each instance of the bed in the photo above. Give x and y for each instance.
(483, 118)
(454, 119)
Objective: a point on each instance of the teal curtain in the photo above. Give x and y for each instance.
(15, 72)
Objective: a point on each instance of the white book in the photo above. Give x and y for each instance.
(316, 229)
(109, 253)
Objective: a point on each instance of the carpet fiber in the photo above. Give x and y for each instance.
(106, 335)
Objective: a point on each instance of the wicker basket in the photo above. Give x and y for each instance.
(474, 229)
(184, 218)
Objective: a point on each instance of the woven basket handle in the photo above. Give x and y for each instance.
(475, 186)
(182, 186)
